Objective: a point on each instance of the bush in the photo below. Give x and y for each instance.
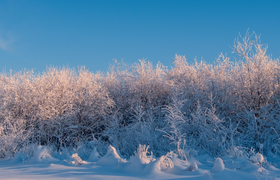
(203, 107)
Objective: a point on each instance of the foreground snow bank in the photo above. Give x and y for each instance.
(140, 166)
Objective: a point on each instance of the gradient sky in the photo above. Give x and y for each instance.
(36, 33)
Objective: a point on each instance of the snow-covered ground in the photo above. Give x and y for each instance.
(141, 166)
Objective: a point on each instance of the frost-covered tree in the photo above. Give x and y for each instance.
(211, 108)
(175, 124)
(91, 104)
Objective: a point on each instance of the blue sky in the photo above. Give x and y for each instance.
(35, 34)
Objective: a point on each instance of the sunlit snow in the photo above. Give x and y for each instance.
(141, 166)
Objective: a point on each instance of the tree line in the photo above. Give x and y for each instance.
(199, 107)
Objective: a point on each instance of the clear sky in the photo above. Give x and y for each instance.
(38, 33)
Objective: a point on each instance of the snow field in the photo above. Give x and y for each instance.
(42, 165)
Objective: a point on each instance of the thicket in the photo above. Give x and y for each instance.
(205, 108)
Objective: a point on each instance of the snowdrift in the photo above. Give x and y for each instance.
(111, 158)
(141, 165)
(41, 155)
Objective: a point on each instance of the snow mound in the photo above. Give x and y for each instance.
(19, 157)
(179, 163)
(171, 161)
(218, 166)
(161, 168)
(41, 154)
(257, 158)
(140, 159)
(193, 166)
(77, 160)
(153, 167)
(94, 156)
(166, 161)
(111, 157)
(171, 164)
(254, 159)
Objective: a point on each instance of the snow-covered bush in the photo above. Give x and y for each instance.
(13, 136)
(166, 161)
(257, 158)
(209, 108)
(77, 160)
(140, 159)
(142, 156)
(175, 124)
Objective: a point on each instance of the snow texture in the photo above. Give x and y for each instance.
(186, 115)
(141, 166)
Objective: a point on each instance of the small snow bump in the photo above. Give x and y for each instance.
(218, 165)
